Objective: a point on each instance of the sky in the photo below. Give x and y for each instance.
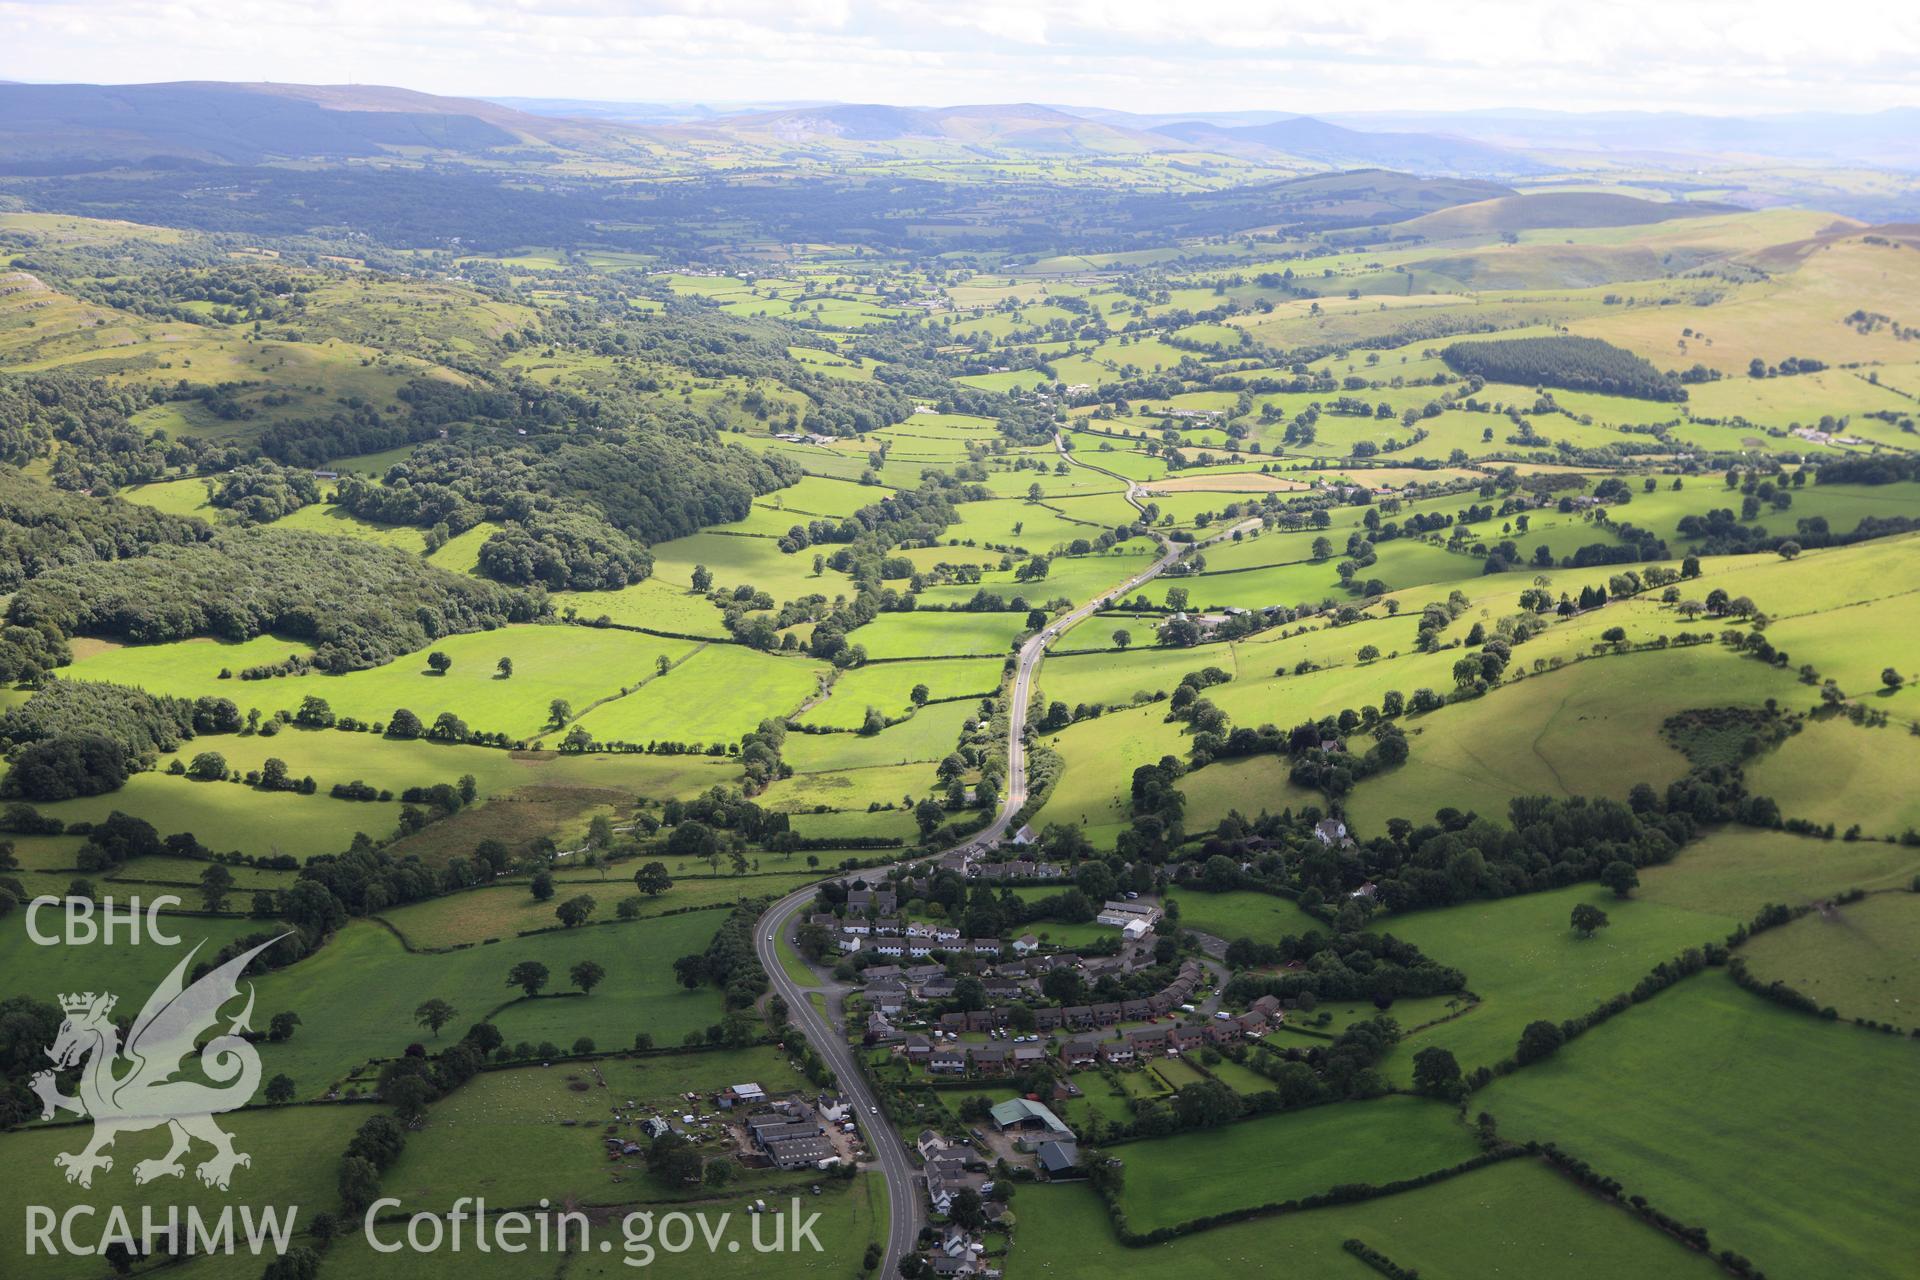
(1716, 56)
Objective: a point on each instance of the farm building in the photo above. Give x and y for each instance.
(1023, 1113)
(1121, 914)
(1059, 1159)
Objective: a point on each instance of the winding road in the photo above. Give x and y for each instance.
(827, 1032)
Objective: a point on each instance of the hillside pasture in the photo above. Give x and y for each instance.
(1862, 959)
(887, 687)
(1747, 1118)
(1284, 1157)
(1516, 1218)
(347, 1020)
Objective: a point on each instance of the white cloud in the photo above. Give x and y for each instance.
(1142, 54)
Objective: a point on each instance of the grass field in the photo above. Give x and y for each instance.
(580, 665)
(651, 605)
(502, 911)
(1522, 957)
(1752, 1121)
(1833, 771)
(1518, 1218)
(347, 1020)
(851, 789)
(129, 970)
(716, 695)
(1106, 679)
(1862, 959)
(1251, 786)
(937, 634)
(887, 687)
(1243, 915)
(1737, 870)
(929, 734)
(1171, 1180)
(293, 1153)
(1580, 735)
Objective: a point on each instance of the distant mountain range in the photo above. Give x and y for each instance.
(70, 128)
(1310, 139)
(1882, 139)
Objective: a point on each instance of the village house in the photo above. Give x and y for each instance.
(1332, 833)
(947, 1176)
(990, 1059)
(1080, 1052)
(1148, 1040)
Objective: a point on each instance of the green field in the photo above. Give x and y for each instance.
(128, 969)
(500, 912)
(936, 634)
(887, 688)
(1858, 959)
(347, 1021)
(1243, 915)
(1515, 1218)
(293, 1151)
(1285, 1157)
(1834, 772)
(1739, 1116)
(580, 665)
(1522, 957)
(716, 695)
(929, 734)
(1578, 725)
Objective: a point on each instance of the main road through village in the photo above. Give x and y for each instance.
(825, 1030)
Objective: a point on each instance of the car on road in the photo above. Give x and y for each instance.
(872, 1110)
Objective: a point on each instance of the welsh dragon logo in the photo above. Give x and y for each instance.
(129, 1089)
